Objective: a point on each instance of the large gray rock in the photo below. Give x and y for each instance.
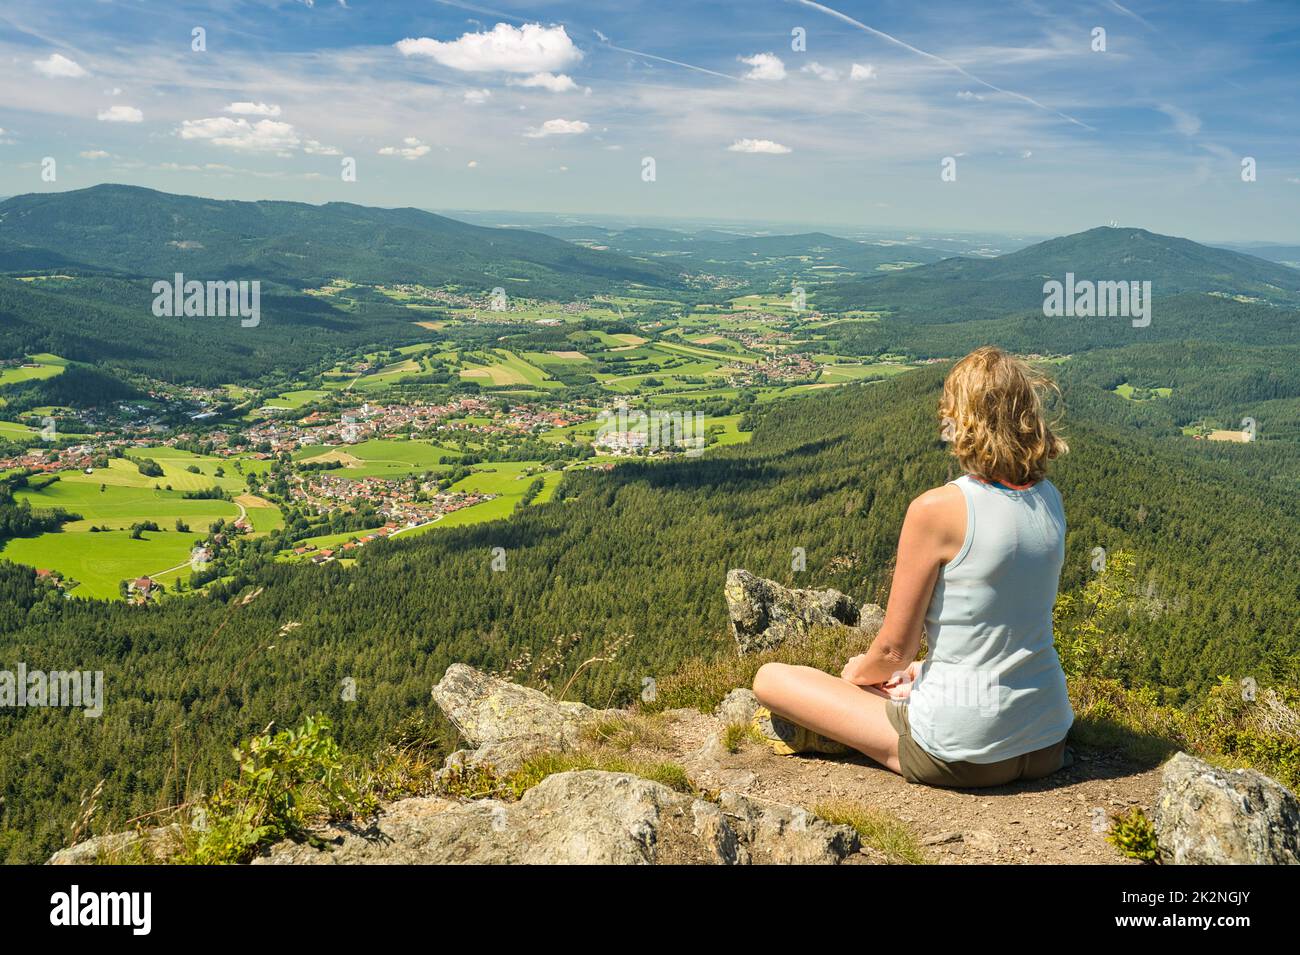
(505, 723)
(584, 817)
(764, 614)
(738, 706)
(781, 834)
(1210, 816)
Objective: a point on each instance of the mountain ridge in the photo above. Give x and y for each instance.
(156, 233)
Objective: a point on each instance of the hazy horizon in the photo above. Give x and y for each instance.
(1049, 119)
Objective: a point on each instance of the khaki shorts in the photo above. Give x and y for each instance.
(918, 766)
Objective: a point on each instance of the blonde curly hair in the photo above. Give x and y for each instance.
(992, 412)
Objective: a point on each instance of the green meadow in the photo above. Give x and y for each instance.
(120, 506)
(46, 366)
(381, 457)
(100, 561)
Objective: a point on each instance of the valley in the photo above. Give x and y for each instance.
(471, 446)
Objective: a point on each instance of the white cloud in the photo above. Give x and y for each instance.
(314, 148)
(758, 146)
(558, 127)
(253, 109)
(968, 95)
(265, 135)
(531, 48)
(477, 96)
(1184, 122)
(1028, 153)
(821, 72)
(59, 66)
(766, 66)
(113, 91)
(411, 148)
(552, 82)
(89, 153)
(472, 164)
(120, 114)
(862, 71)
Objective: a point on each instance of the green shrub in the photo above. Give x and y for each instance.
(1134, 835)
(285, 781)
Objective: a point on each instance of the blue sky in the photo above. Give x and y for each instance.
(556, 106)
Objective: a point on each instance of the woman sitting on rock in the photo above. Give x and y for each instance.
(979, 562)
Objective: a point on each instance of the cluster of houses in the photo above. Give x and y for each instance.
(49, 460)
(779, 368)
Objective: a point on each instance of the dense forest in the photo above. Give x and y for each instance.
(625, 569)
(970, 288)
(142, 232)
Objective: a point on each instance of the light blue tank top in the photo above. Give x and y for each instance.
(992, 686)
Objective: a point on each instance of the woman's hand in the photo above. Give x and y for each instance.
(899, 686)
(852, 671)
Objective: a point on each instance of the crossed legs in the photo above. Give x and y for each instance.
(830, 706)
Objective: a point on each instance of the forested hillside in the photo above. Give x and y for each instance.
(624, 569)
(109, 321)
(966, 288)
(1189, 316)
(154, 234)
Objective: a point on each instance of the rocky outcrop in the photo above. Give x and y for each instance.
(583, 817)
(504, 723)
(1210, 816)
(145, 845)
(764, 614)
(737, 707)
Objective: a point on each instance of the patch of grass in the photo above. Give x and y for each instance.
(479, 782)
(737, 734)
(879, 830)
(702, 683)
(624, 731)
(1134, 835)
(408, 763)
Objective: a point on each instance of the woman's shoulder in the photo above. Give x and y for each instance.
(939, 505)
(939, 496)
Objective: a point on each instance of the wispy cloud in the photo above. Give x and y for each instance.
(937, 59)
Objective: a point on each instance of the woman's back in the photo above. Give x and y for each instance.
(992, 687)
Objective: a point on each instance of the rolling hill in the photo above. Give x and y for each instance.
(959, 289)
(141, 232)
(745, 255)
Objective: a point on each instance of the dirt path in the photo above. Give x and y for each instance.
(1048, 821)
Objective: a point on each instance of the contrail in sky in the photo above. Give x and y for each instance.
(938, 59)
(663, 59)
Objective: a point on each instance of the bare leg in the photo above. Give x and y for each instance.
(830, 706)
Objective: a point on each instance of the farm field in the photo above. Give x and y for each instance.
(381, 457)
(44, 366)
(119, 506)
(507, 369)
(13, 431)
(1126, 391)
(175, 464)
(291, 400)
(100, 561)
